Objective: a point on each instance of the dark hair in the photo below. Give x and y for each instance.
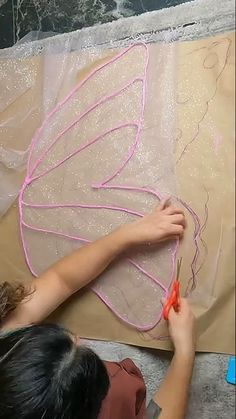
(45, 375)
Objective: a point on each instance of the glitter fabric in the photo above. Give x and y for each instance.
(104, 157)
(187, 138)
(18, 79)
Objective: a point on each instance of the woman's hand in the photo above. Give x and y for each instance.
(172, 395)
(182, 329)
(165, 223)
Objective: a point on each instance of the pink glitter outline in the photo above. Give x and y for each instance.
(103, 185)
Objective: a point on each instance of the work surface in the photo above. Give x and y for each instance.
(204, 165)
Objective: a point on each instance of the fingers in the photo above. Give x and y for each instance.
(185, 308)
(173, 210)
(172, 232)
(176, 230)
(184, 304)
(178, 219)
(172, 315)
(165, 205)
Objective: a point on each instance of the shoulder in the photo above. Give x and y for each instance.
(127, 393)
(127, 365)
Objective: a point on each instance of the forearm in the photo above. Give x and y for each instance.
(82, 266)
(78, 269)
(67, 276)
(172, 396)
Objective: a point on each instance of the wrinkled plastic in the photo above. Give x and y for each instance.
(19, 79)
(139, 105)
(16, 81)
(127, 135)
(107, 121)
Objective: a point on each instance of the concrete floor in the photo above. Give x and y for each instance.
(211, 396)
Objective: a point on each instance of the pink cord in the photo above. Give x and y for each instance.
(137, 125)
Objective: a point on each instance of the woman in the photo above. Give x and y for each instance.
(46, 373)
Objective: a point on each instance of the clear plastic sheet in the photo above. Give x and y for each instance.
(186, 150)
(128, 116)
(22, 108)
(19, 81)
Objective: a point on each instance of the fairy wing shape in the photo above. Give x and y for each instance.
(90, 169)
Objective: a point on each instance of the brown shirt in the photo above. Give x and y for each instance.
(126, 398)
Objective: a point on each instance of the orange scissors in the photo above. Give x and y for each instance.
(174, 298)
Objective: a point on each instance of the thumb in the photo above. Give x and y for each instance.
(164, 203)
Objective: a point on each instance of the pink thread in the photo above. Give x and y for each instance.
(103, 185)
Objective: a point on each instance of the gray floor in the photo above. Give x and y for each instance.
(211, 396)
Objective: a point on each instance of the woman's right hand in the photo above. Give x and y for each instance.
(182, 328)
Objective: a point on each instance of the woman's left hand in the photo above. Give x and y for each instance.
(165, 223)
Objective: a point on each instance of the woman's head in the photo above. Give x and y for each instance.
(45, 375)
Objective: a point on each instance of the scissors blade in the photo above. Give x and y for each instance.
(179, 263)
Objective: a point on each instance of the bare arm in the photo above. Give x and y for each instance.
(172, 396)
(78, 269)
(67, 276)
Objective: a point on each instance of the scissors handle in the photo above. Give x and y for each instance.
(173, 300)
